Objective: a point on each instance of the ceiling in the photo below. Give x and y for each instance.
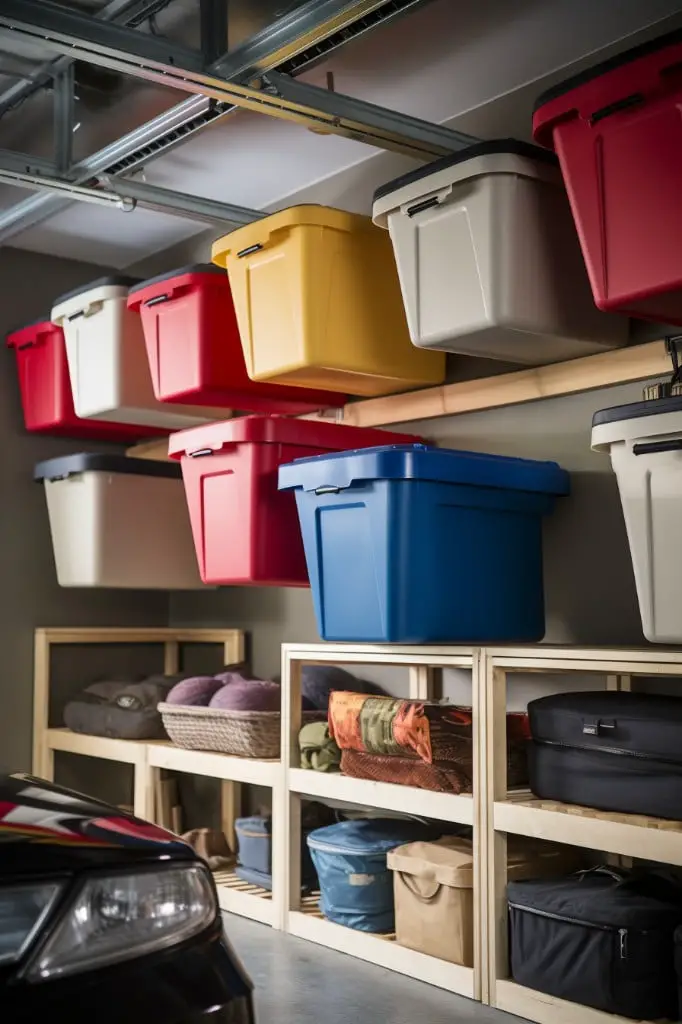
(473, 65)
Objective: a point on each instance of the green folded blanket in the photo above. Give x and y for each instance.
(318, 750)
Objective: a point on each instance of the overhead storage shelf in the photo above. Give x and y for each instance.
(605, 370)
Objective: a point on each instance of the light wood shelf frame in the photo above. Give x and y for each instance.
(622, 835)
(47, 740)
(424, 664)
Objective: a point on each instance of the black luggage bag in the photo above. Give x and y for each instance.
(600, 938)
(612, 750)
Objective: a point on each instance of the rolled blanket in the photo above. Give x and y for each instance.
(318, 750)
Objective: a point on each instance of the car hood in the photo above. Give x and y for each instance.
(46, 828)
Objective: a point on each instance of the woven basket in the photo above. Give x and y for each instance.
(241, 733)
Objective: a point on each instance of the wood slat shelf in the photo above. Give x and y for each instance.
(245, 899)
(537, 1006)
(604, 370)
(383, 795)
(161, 754)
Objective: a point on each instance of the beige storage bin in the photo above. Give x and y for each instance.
(434, 890)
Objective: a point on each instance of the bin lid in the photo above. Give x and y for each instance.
(636, 420)
(88, 462)
(368, 835)
(192, 268)
(447, 861)
(18, 335)
(492, 147)
(254, 235)
(110, 281)
(275, 430)
(421, 462)
(603, 68)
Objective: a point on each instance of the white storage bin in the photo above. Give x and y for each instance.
(119, 522)
(645, 443)
(107, 358)
(488, 258)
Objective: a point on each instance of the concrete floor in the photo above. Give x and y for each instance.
(298, 982)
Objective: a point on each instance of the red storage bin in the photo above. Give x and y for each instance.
(45, 389)
(195, 352)
(617, 132)
(245, 530)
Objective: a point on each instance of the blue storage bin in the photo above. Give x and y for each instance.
(412, 544)
(356, 885)
(254, 852)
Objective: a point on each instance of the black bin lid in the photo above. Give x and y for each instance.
(636, 410)
(191, 268)
(87, 462)
(514, 147)
(110, 281)
(603, 68)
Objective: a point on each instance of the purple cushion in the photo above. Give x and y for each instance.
(196, 691)
(248, 695)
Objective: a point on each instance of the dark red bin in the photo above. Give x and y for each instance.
(617, 131)
(195, 352)
(246, 531)
(45, 388)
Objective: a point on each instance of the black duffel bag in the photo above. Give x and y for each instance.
(602, 938)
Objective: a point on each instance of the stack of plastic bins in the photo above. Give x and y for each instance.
(194, 349)
(318, 304)
(118, 522)
(245, 530)
(488, 257)
(108, 366)
(617, 131)
(411, 544)
(45, 388)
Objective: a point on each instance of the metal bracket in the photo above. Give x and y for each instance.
(64, 99)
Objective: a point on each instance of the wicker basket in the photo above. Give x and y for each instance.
(241, 733)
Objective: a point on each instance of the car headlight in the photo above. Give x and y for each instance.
(122, 916)
(23, 908)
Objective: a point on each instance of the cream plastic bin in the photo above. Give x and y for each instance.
(107, 358)
(318, 304)
(119, 522)
(434, 890)
(489, 260)
(644, 440)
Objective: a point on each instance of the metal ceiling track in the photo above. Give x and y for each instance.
(255, 76)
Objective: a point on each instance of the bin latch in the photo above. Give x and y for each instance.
(598, 726)
(327, 490)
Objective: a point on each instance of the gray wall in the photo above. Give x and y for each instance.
(590, 589)
(29, 593)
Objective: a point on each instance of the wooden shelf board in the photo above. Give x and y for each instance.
(385, 795)
(377, 949)
(630, 835)
(606, 369)
(125, 751)
(244, 898)
(387, 654)
(626, 660)
(162, 754)
(139, 635)
(546, 1009)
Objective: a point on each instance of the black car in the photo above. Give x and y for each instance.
(105, 917)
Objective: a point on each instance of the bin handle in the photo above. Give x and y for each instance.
(424, 892)
(656, 447)
(200, 453)
(89, 310)
(249, 250)
(156, 300)
(327, 490)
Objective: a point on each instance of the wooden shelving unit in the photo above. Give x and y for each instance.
(626, 835)
(301, 915)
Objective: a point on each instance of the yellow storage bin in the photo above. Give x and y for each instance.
(318, 304)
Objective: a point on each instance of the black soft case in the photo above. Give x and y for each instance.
(599, 938)
(612, 750)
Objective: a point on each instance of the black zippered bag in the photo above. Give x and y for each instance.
(601, 938)
(612, 750)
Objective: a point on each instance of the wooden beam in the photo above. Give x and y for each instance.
(607, 369)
